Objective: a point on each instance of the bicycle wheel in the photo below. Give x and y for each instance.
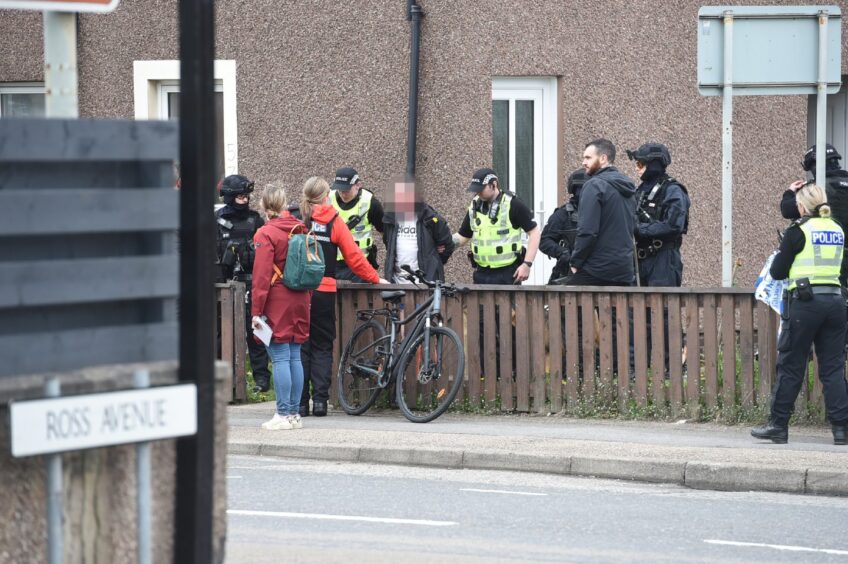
(358, 390)
(427, 386)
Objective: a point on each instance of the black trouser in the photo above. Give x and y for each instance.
(257, 351)
(343, 272)
(819, 322)
(503, 275)
(662, 269)
(583, 278)
(317, 352)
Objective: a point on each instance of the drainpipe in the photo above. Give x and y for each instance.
(414, 15)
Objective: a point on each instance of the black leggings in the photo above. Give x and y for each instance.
(317, 352)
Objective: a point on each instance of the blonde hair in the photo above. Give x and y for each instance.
(273, 200)
(814, 199)
(315, 191)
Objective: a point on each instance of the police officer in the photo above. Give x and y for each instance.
(810, 256)
(662, 216)
(495, 223)
(558, 235)
(836, 188)
(362, 212)
(237, 224)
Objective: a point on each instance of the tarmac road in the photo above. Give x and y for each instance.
(296, 510)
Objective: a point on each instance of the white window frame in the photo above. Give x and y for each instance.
(153, 79)
(21, 88)
(543, 91)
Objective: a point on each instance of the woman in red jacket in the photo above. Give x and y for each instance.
(319, 215)
(286, 311)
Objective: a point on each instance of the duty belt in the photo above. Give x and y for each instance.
(826, 290)
(654, 246)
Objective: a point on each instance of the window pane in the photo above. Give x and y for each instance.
(500, 141)
(174, 113)
(524, 151)
(22, 105)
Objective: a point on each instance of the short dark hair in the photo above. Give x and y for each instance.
(603, 147)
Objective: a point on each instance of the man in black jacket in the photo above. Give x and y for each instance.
(415, 235)
(836, 188)
(603, 248)
(558, 235)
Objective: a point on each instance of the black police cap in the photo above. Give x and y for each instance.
(576, 180)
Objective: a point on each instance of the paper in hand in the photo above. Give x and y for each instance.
(263, 332)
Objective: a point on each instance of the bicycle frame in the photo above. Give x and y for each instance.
(422, 316)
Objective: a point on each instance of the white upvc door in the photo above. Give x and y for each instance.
(524, 148)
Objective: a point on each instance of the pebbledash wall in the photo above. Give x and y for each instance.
(321, 84)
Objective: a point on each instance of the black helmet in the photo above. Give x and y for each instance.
(236, 184)
(810, 156)
(649, 152)
(576, 180)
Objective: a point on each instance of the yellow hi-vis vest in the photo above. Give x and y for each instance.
(821, 258)
(362, 232)
(497, 243)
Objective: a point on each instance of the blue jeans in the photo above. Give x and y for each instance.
(288, 376)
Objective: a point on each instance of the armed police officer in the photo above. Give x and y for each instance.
(363, 214)
(237, 224)
(495, 224)
(836, 188)
(662, 217)
(558, 235)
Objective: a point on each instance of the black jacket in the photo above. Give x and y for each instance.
(670, 220)
(431, 231)
(603, 246)
(557, 239)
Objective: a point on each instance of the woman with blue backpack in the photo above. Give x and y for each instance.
(284, 310)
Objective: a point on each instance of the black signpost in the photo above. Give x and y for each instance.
(193, 533)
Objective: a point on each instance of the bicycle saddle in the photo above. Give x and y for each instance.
(392, 295)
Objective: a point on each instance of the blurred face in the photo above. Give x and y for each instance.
(489, 192)
(640, 168)
(242, 199)
(592, 161)
(352, 193)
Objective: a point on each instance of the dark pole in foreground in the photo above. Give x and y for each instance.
(195, 455)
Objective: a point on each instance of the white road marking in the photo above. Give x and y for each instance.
(235, 477)
(499, 492)
(779, 547)
(343, 518)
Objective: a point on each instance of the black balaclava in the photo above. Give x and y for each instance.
(234, 209)
(654, 169)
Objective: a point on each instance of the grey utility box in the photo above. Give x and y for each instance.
(88, 232)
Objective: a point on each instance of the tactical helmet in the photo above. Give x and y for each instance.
(236, 184)
(649, 152)
(810, 156)
(576, 180)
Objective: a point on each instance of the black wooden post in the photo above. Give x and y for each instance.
(195, 455)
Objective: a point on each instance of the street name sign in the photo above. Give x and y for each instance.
(98, 420)
(100, 6)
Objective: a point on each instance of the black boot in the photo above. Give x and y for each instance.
(771, 432)
(839, 434)
(319, 408)
(304, 410)
(262, 385)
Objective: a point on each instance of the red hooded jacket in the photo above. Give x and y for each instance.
(342, 238)
(287, 310)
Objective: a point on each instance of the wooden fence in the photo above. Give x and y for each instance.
(231, 343)
(632, 352)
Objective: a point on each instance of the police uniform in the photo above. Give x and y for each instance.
(236, 225)
(496, 231)
(810, 256)
(557, 239)
(363, 214)
(662, 215)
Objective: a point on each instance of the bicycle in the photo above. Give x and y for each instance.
(426, 366)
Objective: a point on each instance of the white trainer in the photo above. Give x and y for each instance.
(296, 421)
(277, 423)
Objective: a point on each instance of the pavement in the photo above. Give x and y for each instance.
(696, 455)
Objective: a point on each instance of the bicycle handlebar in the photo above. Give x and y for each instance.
(418, 276)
